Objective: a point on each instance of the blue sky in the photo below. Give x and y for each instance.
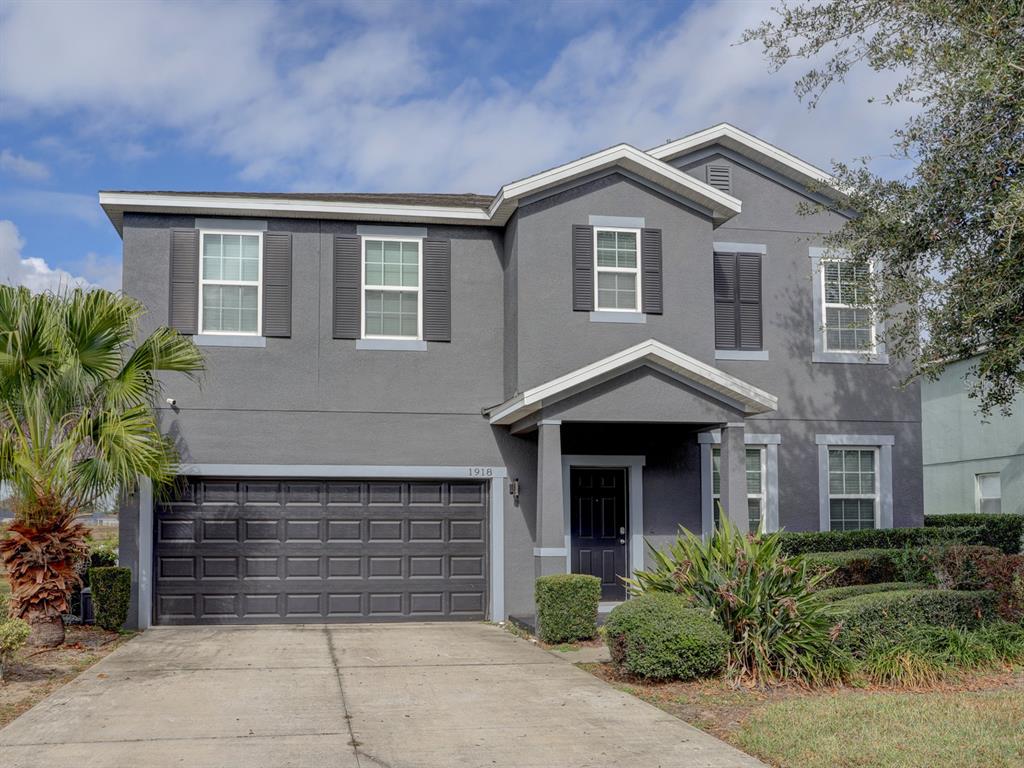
(347, 96)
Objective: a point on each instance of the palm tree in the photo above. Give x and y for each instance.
(77, 422)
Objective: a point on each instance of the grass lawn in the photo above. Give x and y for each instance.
(978, 723)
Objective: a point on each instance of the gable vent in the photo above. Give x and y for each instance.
(720, 177)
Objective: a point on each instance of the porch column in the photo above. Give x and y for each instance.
(550, 554)
(733, 473)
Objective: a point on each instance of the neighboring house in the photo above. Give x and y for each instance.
(970, 464)
(416, 403)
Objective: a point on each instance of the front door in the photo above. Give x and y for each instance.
(598, 526)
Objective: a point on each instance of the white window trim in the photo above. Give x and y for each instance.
(247, 283)
(618, 270)
(762, 496)
(769, 477)
(883, 444)
(978, 498)
(395, 289)
(820, 353)
(875, 495)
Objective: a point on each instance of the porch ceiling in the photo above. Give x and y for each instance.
(712, 381)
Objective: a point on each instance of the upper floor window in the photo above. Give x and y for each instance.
(230, 295)
(617, 269)
(848, 325)
(853, 490)
(756, 496)
(989, 493)
(392, 288)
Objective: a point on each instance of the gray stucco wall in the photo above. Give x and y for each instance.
(959, 444)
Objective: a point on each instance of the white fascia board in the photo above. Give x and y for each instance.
(723, 205)
(750, 146)
(752, 399)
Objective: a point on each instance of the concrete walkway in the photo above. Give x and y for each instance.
(348, 695)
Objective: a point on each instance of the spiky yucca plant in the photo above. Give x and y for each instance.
(780, 630)
(77, 422)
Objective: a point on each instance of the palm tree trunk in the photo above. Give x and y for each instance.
(46, 631)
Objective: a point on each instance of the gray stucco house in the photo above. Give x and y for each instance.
(970, 464)
(417, 403)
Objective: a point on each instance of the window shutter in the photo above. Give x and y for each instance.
(650, 248)
(582, 268)
(748, 271)
(720, 177)
(347, 301)
(725, 301)
(183, 312)
(277, 284)
(437, 290)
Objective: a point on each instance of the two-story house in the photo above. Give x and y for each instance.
(415, 404)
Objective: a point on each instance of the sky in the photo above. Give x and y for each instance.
(366, 96)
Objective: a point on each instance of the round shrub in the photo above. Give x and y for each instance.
(111, 590)
(658, 636)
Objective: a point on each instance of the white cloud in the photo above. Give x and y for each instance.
(21, 166)
(37, 275)
(371, 104)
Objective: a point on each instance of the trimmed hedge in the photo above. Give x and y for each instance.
(866, 619)
(802, 543)
(858, 566)
(1003, 531)
(835, 594)
(658, 636)
(567, 607)
(111, 589)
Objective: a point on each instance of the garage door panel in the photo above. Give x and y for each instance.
(264, 551)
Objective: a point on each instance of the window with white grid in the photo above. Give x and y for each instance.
(392, 283)
(852, 488)
(755, 465)
(230, 295)
(848, 325)
(617, 269)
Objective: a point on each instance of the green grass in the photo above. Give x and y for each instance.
(890, 730)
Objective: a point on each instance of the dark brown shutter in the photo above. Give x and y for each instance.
(347, 301)
(650, 247)
(183, 312)
(748, 274)
(437, 290)
(277, 284)
(720, 177)
(725, 301)
(582, 268)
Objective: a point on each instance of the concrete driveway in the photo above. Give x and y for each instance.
(348, 695)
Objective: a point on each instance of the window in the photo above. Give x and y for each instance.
(617, 269)
(755, 486)
(988, 493)
(230, 295)
(852, 488)
(848, 326)
(392, 304)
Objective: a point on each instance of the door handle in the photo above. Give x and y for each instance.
(622, 541)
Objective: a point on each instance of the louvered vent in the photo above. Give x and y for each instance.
(720, 177)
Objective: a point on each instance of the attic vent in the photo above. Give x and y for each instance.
(720, 177)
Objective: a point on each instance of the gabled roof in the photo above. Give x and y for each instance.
(707, 378)
(758, 150)
(425, 208)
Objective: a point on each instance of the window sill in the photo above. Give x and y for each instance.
(878, 358)
(741, 354)
(392, 345)
(618, 317)
(228, 340)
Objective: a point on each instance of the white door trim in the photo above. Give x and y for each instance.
(634, 465)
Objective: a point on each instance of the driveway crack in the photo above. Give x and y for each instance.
(341, 689)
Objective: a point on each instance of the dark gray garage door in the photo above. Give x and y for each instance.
(240, 551)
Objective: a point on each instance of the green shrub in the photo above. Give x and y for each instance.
(835, 594)
(1006, 639)
(857, 566)
(868, 619)
(657, 636)
(13, 635)
(801, 543)
(958, 566)
(779, 629)
(1004, 575)
(5, 605)
(1003, 531)
(567, 607)
(111, 589)
(102, 554)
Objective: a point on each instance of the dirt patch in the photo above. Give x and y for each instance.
(34, 674)
(720, 708)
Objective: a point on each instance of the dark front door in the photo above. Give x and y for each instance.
(598, 526)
